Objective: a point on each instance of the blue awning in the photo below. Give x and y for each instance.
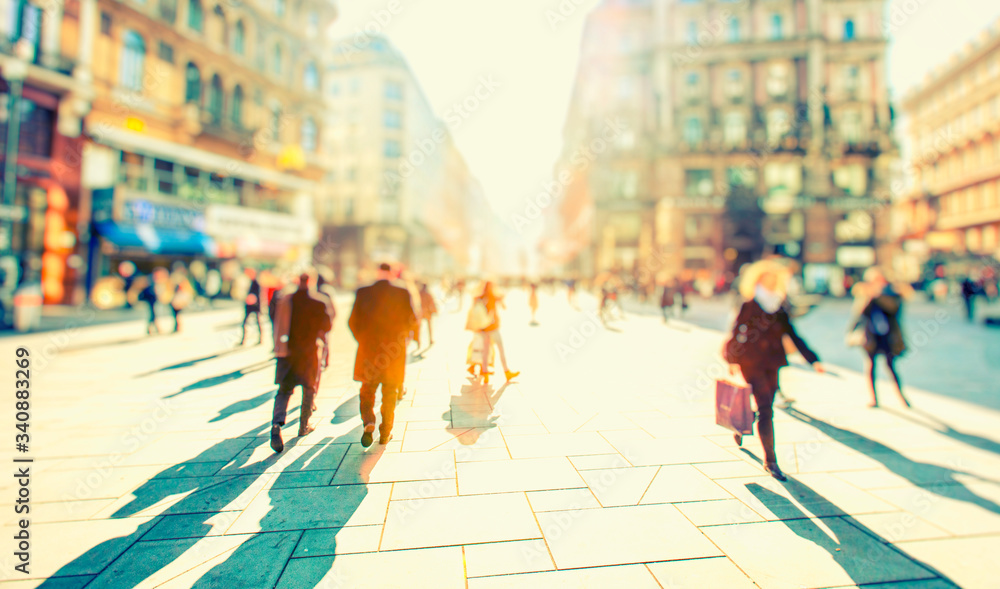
(157, 240)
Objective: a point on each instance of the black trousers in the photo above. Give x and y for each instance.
(764, 384)
(283, 397)
(390, 392)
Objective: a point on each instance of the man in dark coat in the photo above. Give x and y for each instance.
(301, 322)
(381, 320)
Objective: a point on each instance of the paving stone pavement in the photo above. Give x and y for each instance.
(600, 466)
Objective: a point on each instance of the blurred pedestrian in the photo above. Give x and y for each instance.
(127, 271)
(251, 306)
(428, 309)
(381, 320)
(533, 302)
(571, 292)
(301, 321)
(667, 300)
(153, 289)
(182, 293)
(756, 348)
(489, 330)
(878, 307)
(970, 290)
(326, 293)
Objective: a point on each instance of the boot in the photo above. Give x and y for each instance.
(306, 428)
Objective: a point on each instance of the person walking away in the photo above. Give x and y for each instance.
(300, 322)
(878, 323)
(533, 302)
(182, 293)
(491, 332)
(380, 321)
(251, 306)
(428, 309)
(151, 289)
(326, 293)
(571, 292)
(970, 290)
(755, 348)
(667, 301)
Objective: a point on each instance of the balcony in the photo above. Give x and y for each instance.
(226, 130)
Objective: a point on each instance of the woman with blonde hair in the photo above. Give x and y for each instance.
(878, 305)
(756, 349)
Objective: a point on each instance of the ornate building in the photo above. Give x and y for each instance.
(953, 207)
(203, 130)
(784, 101)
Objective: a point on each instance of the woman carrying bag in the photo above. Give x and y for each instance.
(485, 322)
(878, 306)
(756, 349)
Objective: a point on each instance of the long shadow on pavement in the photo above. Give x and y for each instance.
(862, 566)
(474, 408)
(190, 363)
(214, 381)
(945, 480)
(244, 405)
(946, 429)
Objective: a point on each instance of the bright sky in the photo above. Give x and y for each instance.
(512, 140)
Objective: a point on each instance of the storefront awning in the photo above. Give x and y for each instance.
(199, 158)
(157, 240)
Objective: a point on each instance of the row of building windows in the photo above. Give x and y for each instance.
(969, 160)
(776, 30)
(777, 125)
(985, 72)
(975, 199)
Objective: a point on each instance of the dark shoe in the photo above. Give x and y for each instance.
(383, 439)
(773, 470)
(366, 438)
(276, 444)
(738, 438)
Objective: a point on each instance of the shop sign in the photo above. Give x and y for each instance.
(144, 212)
(854, 256)
(226, 222)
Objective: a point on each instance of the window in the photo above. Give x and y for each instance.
(691, 84)
(164, 172)
(192, 84)
(745, 176)
(852, 78)
(309, 134)
(165, 52)
(334, 89)
(132, 61)
(236, 109)
(734, 30)
(849, 29)
(852, 179)
(734, 84)
(393, 91)
(310, 78)
(693, 132)
(214, 106)
(195, 16)
(777, 125)
(276, 64)
(777, 79)
(692, 33)
(133, 171)
(105, 23)
(777, 27)
(239, 38)
(276, 123)
(783, 179)
(734, 130)
(352, 174)
(168, 10)
(392, 149)
(698, 183)
(349, 209)
(392, 119)
(279, 7)
(312, 24)
(850, 127)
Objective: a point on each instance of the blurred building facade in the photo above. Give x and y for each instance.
(201, 126)
(398, 189)
(783, 103)
(952, 208)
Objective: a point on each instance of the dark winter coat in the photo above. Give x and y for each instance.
(381, 321)
(757, 344)
(308, 324)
